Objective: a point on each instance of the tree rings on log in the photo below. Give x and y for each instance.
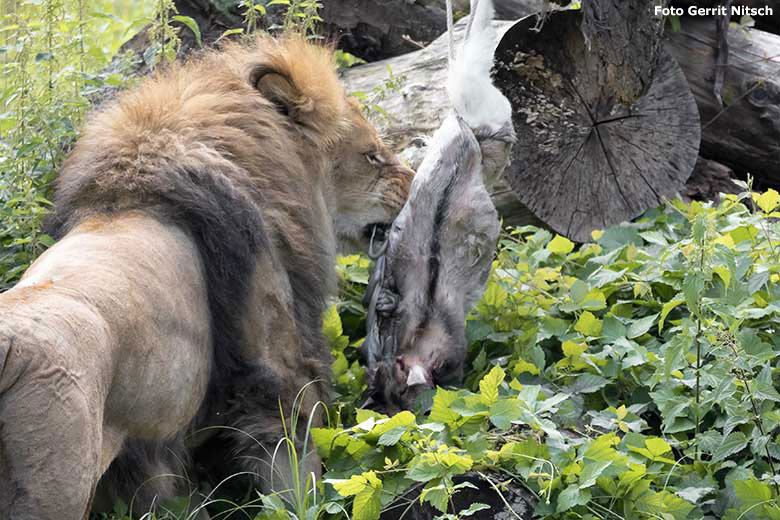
(582, 160)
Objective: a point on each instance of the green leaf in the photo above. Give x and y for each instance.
(666, 309)
(768, 200)
(391, 437)
(588, 324)
(664, 503)
(367, 505)
(435, 495)
(352, 486)
(731, 444)
(473, 508)
(332, 329)
(560, 245)
(657, 446)
(570, 497)
(488, 386)
(230, 32)
(572, 349)
(504, 412)
(192, 24)
(592, 470)
(441, 411)
(587, 384)
(594, 301)
(641, 326)
(403, 419)
(694, 494)
(693, 287)
(752, 492)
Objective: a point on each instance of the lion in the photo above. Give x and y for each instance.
(198, 218)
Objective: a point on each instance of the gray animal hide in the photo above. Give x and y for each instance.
(437, 261)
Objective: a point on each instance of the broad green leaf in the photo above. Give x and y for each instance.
(588, 324)
(767, 201)
(505, 411)
(591, 470)
(640, 326)
(403, 419)
(587, 384)
(657, 446)
(560, 245)
(572, 496)
(355, 484)
(752, 492)
(666, 309)
(441, 411)
(573, 349)
(594, 301)
(732, 443)
(522, 366)
(436, 495)
(391, 437)
(694, 494)
(367, 504)
(664, 503)
(488, 386)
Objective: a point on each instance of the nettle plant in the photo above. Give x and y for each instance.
(53, 59)
(630, 378)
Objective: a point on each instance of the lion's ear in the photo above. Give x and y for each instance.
(277, 88)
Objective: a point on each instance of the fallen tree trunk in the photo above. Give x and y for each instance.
(369, 29)
(744, 136)
(770, 23)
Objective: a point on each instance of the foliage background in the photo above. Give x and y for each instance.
(53, 60)
(629, 378)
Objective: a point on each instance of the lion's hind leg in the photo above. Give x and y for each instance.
(50, 442)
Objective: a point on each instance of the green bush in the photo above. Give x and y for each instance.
(53, 59)
(632, 377)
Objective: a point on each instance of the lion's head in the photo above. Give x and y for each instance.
(370, 183)
(365, 184)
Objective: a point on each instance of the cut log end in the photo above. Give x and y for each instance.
(583, 160)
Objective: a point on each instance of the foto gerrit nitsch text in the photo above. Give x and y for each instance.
(736, 10)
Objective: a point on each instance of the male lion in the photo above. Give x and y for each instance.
(199, 215)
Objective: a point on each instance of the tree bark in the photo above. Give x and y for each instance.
(765, 23)
(744, 134)
(709, 178)
(606, 124)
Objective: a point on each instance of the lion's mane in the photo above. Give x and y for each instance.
(196, 145)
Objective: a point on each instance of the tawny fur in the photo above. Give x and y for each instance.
(200, 215)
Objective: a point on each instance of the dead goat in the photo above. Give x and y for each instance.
(435, 261)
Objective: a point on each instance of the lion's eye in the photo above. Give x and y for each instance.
(375, 159)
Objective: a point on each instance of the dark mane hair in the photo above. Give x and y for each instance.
(199, 146)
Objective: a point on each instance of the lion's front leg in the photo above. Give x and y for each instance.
(50, 436)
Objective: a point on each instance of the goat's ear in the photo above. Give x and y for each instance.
(279, 89)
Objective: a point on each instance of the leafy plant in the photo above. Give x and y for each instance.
(632, 377)
(51, 56)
